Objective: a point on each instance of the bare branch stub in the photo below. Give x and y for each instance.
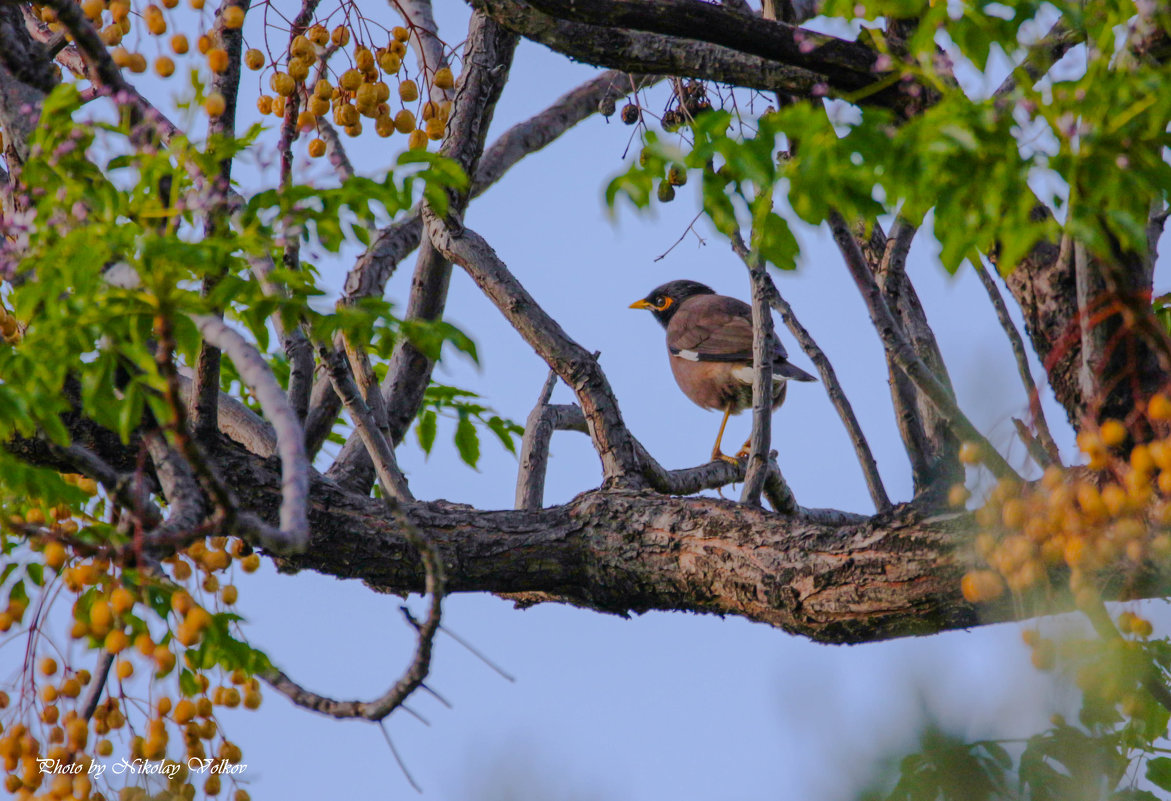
(534, 450)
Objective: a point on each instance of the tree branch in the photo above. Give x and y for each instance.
(763, 350)
(699, 40)
(1050, 452)
(534, 449)
(901, 351)
(571, 361)
(256, 375)
(488, 56)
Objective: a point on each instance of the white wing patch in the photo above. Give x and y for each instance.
(744, 375)
(690, 355)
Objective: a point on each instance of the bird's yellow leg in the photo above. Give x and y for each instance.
(744, 451)
(716, 453)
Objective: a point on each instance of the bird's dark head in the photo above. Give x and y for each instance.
(663, 301)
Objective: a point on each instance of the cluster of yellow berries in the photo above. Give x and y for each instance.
(50, 725)
(1112, 514)
(359, 92)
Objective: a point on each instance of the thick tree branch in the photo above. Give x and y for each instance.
(623, 552)
(698, 40)
(928, 438)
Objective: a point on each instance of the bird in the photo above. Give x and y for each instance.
(709, 342)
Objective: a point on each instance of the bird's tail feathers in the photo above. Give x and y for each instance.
(792, 371)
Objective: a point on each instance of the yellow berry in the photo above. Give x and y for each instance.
(971, 453)
(282, 83)
(979, 586)
(435, 128)
(124, 669)
(298, 69)
(164, 66)
(93, 9)
(408, 91)
(116, 641)
(217, 59)
(318, 35)
(254, 59)
(179, 44)
(341, 36)
(389, 62)
(48, 666)
(215, 104)
(155, 22)
(111, 35)
(350, 80)
(184, 711)
(250, 563)
(443, 78)
(316, 150)
(404, 121)
(121, 600)
(1159, 407)
(363, 59)
(233, 17)
(55, 555)
(1113, 433)
(203, 44)
(400, 33)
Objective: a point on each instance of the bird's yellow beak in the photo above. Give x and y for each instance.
(641, 304)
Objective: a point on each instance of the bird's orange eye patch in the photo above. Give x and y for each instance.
(663, 304)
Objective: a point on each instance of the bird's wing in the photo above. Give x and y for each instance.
(711, 328)
(716, 328)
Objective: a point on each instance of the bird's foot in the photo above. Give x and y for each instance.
(723, 457)
(744, 452)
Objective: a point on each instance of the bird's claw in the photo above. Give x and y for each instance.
(723, 457)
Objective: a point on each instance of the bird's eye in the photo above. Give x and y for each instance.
(661, 302)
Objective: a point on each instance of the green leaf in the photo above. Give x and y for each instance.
(1159, 772)
(467, 441)
(425, 430)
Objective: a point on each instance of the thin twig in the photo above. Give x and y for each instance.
(97, 683)
(1051, 454)
(833, 387)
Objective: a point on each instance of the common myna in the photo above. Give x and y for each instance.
(709, 338)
